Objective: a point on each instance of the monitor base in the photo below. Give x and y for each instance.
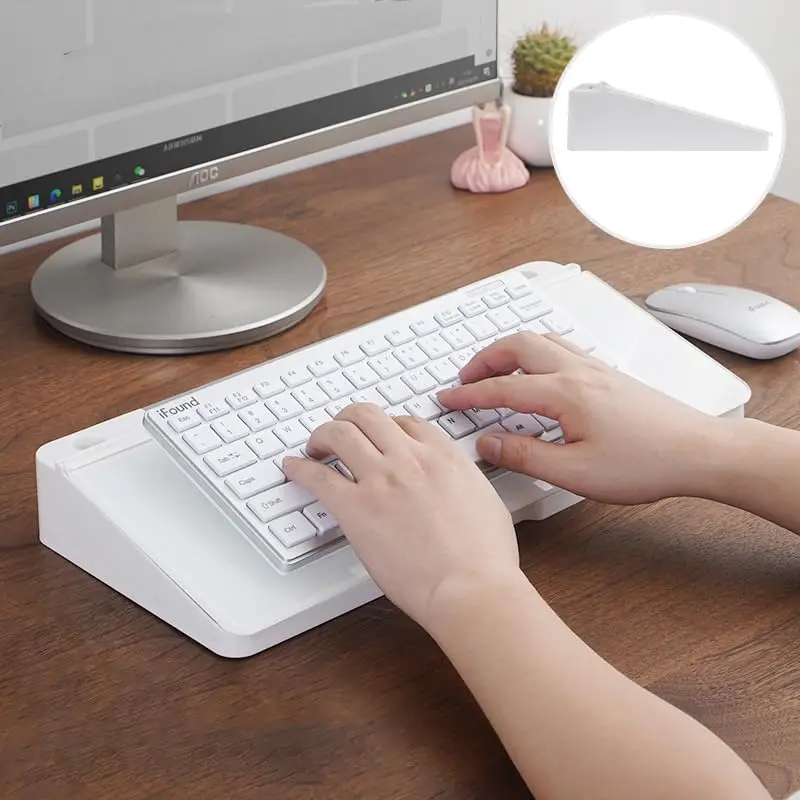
(224, 285)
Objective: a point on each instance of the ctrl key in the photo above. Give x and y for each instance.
(293, 529)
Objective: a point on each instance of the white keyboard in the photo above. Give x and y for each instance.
(115, 498)
(231, 436)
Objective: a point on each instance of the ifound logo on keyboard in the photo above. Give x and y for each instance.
(165, 413)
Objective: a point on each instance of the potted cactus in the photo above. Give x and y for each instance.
(539, 59)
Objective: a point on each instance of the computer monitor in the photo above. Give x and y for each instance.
(110, 109)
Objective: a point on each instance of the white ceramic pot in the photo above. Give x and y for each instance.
(529, 134)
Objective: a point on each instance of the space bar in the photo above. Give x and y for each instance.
(469, 445)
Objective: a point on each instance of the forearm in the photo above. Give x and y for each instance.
(572, 724)
(755, 467)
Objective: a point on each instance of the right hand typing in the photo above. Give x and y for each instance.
(625, 443)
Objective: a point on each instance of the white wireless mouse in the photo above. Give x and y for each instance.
(739, 320)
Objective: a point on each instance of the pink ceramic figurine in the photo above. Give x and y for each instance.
(490, 166)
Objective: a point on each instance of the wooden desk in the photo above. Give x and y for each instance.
(98, 699)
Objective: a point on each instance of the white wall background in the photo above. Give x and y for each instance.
(769, 26)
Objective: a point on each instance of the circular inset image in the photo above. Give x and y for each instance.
(667, 131)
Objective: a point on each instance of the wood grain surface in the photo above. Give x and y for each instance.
(98, 699)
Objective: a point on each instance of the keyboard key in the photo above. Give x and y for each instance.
(265, 445)
(334, 409)
(424, 326)
(313, 420)
(202, 440)
(322, 366)
(434, 346)
(580, 340)
(238, 400)
(230, 429)
(424, 408)
(395, 391)
(252, 481)
(399, 336)
(230, 459)
(321, 518)
(530, 308)
(517, 286)
(375, 345)
(361, 376)
(482, 417)
(185, 421)
(471, 308)
(370, 396)
(505, 412)
(448, 316)
(547, 423)
(481, 328)
(458, 337)
(348, 356)
(523, 424)
(554, 435)
(469, 444)
(444, 371)
(557, 323)
(396, 411)
(432, 397)
(463, 358)
(336, 386)
(310, 397)
(279, 501)
(386, 366)
(503, 318)
(297, 452)
(257, 418)
(268, 388)
(284, 406)
(293, 530)
(292, 433)
(536, 326)
(296, 377)
(410, 356)
(211, 411)
(342, 469)
(456, 424)
(420, 381)
(495, 298)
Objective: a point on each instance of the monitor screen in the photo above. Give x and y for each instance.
(106, 93)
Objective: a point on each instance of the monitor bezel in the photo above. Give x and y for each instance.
(219, 171)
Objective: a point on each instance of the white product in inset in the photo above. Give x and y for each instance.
(604, 118)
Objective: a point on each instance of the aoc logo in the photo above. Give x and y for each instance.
(203, 176)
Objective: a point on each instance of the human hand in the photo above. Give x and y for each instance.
(625, 442)
(421, 516)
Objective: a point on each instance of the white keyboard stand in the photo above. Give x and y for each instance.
(604, 118)
(113, 503)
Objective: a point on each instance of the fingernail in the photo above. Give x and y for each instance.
(490, 448)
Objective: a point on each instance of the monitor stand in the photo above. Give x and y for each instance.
(149, 284)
